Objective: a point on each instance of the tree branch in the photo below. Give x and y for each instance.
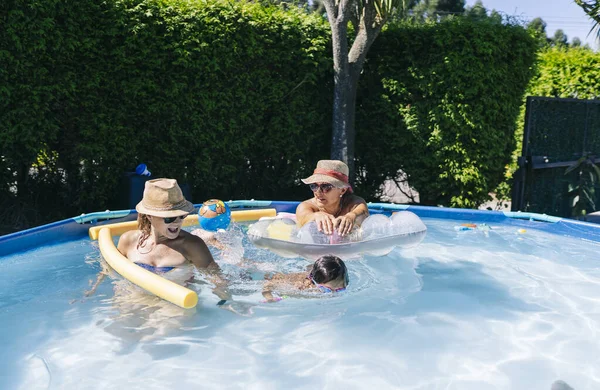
(410, 195)
(355, 15)
(369, 28)
(344, 10)
(331, 10)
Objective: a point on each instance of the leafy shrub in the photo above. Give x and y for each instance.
(440, 102)
(220, 95)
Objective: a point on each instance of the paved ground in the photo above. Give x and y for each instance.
(406, 194)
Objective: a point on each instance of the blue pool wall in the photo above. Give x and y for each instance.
(77, 227)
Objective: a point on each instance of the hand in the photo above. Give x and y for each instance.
(325, 222)
(345, 223)
(273, 299)
(241, 308)
(99, 280)
(270, 297)
(222, 292)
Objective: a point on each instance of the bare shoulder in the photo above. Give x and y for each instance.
(127, 240)
(296, 280)
(307, 205)
(355, 200)
(287, 277)
(352, 202)
(130, 235)
(196, 251)
(191, 241)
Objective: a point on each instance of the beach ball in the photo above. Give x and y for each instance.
(213, 215)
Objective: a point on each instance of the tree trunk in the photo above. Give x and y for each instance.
(344, 99)
(347, 66)
(344, 108)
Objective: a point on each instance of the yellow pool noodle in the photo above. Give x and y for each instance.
(238, 216)
(147, 280)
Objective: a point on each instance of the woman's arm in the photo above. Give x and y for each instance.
(126, 240)
(358, 212)
(198, 253)
(306, 212)
(267, 292)
(101, 275)
(214, 274)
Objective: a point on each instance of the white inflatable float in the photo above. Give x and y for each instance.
(377, 236)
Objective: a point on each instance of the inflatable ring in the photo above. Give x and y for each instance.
(377, 236)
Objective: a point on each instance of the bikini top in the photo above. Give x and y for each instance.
(156, 270)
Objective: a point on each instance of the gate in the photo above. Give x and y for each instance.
(558, 134)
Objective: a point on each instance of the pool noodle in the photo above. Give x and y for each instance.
(151, 282)
(236, 215)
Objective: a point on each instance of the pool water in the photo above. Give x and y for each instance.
(479, 309)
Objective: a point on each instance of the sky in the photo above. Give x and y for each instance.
(558, 14)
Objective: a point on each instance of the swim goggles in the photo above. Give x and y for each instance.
(325, 289)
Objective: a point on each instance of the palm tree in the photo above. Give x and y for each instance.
(592, 8)
(367, 18)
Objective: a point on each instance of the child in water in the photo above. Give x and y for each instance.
(328, 274)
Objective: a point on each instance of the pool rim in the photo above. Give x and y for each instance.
(77, 227)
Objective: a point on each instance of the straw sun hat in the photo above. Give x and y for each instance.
(163, 198)
(333, 172)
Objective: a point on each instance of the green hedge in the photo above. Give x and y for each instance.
(567, 73)
(220, 95)
(445, 99)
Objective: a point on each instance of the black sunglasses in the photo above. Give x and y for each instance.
(325, 187)
(169, 220)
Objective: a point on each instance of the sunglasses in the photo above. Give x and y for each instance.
(325, 187)
(169, 220)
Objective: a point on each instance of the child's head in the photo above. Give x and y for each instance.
(329, 272)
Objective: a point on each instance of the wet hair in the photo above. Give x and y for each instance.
(144, 226)
(328, 268)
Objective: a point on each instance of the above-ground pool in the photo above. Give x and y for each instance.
(512, 304)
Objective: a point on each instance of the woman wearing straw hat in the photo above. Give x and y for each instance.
(334, 206)
(159, 244)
